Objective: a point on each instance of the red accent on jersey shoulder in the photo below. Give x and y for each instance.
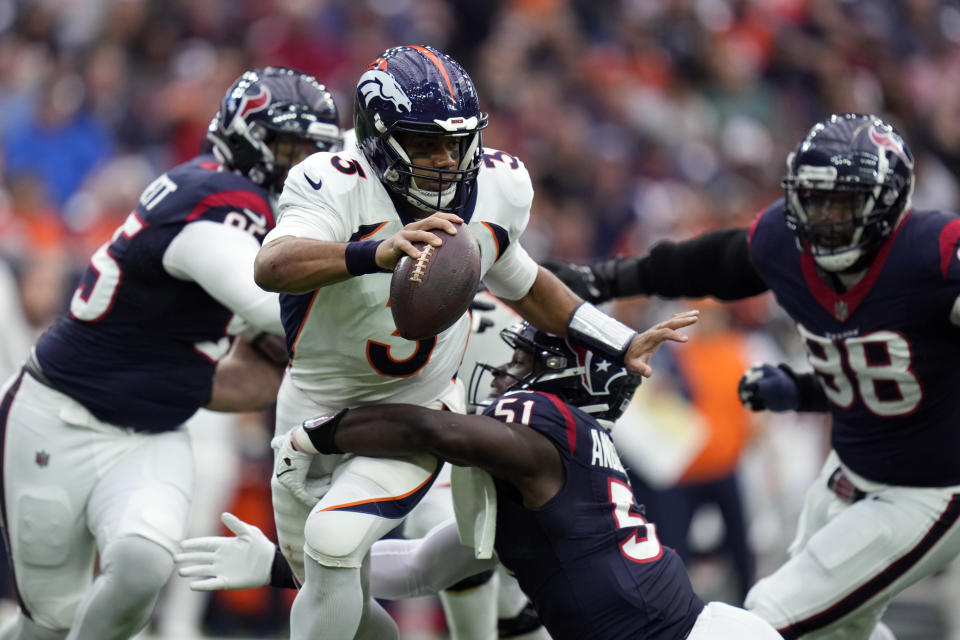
(436, 61)
(948, 244)
(753, 226)
(828, 298)
(209, 166)
(567, 417)
(237, 200)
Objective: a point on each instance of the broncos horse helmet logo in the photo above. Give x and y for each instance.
(380, 84)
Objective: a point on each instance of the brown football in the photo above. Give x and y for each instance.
(429, 294)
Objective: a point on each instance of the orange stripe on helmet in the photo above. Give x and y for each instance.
(432, 57)
(379, 63)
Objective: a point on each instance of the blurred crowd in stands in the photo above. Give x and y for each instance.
(637, 119)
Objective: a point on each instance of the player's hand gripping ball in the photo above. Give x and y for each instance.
(429, 294)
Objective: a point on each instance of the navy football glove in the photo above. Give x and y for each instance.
(765, 387)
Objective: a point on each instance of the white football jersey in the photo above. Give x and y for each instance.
(346, 351)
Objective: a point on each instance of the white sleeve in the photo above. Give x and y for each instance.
(401, 569)
(303, 212)
(512, 275)
(302, 223)
(15, 337)
(219, 258)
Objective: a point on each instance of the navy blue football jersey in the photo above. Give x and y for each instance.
(139, 347)
(588, 560)
(886, 350)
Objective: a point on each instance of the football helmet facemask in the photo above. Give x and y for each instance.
(423, 93)
(578, 376)
(269, 120)
(848, 184)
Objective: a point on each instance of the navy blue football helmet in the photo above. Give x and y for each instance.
(580, 377)
(419, 90)
(848, 184)
(268, 119)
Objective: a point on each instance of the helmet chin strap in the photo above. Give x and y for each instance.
(446, 196)
(839, 262)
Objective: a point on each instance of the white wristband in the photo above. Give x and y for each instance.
(301, 441)
(589, 327)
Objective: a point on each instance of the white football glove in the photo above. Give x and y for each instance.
(290, 468)
(222, 562)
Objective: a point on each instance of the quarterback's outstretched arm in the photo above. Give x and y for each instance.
(553, 307)
(548, 304)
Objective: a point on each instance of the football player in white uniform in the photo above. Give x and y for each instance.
(345, 220)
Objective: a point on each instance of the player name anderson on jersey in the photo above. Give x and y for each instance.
(604, 453)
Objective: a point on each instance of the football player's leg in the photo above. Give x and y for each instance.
(516, 617)
(368, 498)
(48, 471)
(138, 512)
(289, 512)
(721, 621)
(328, 605)
(19, 627)
(469, 605)
(346, 604)
(289, 517)
(133, 570)
(839, 583)
(412, 568)
(375, 622)
(882, 632)
(216, 469)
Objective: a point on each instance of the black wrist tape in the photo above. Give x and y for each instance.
(361, 257)
(281, 575)
(810, 394)
(322, 430)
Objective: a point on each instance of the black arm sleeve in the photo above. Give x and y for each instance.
(810, 396)
(715, 264)
(281, 575)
